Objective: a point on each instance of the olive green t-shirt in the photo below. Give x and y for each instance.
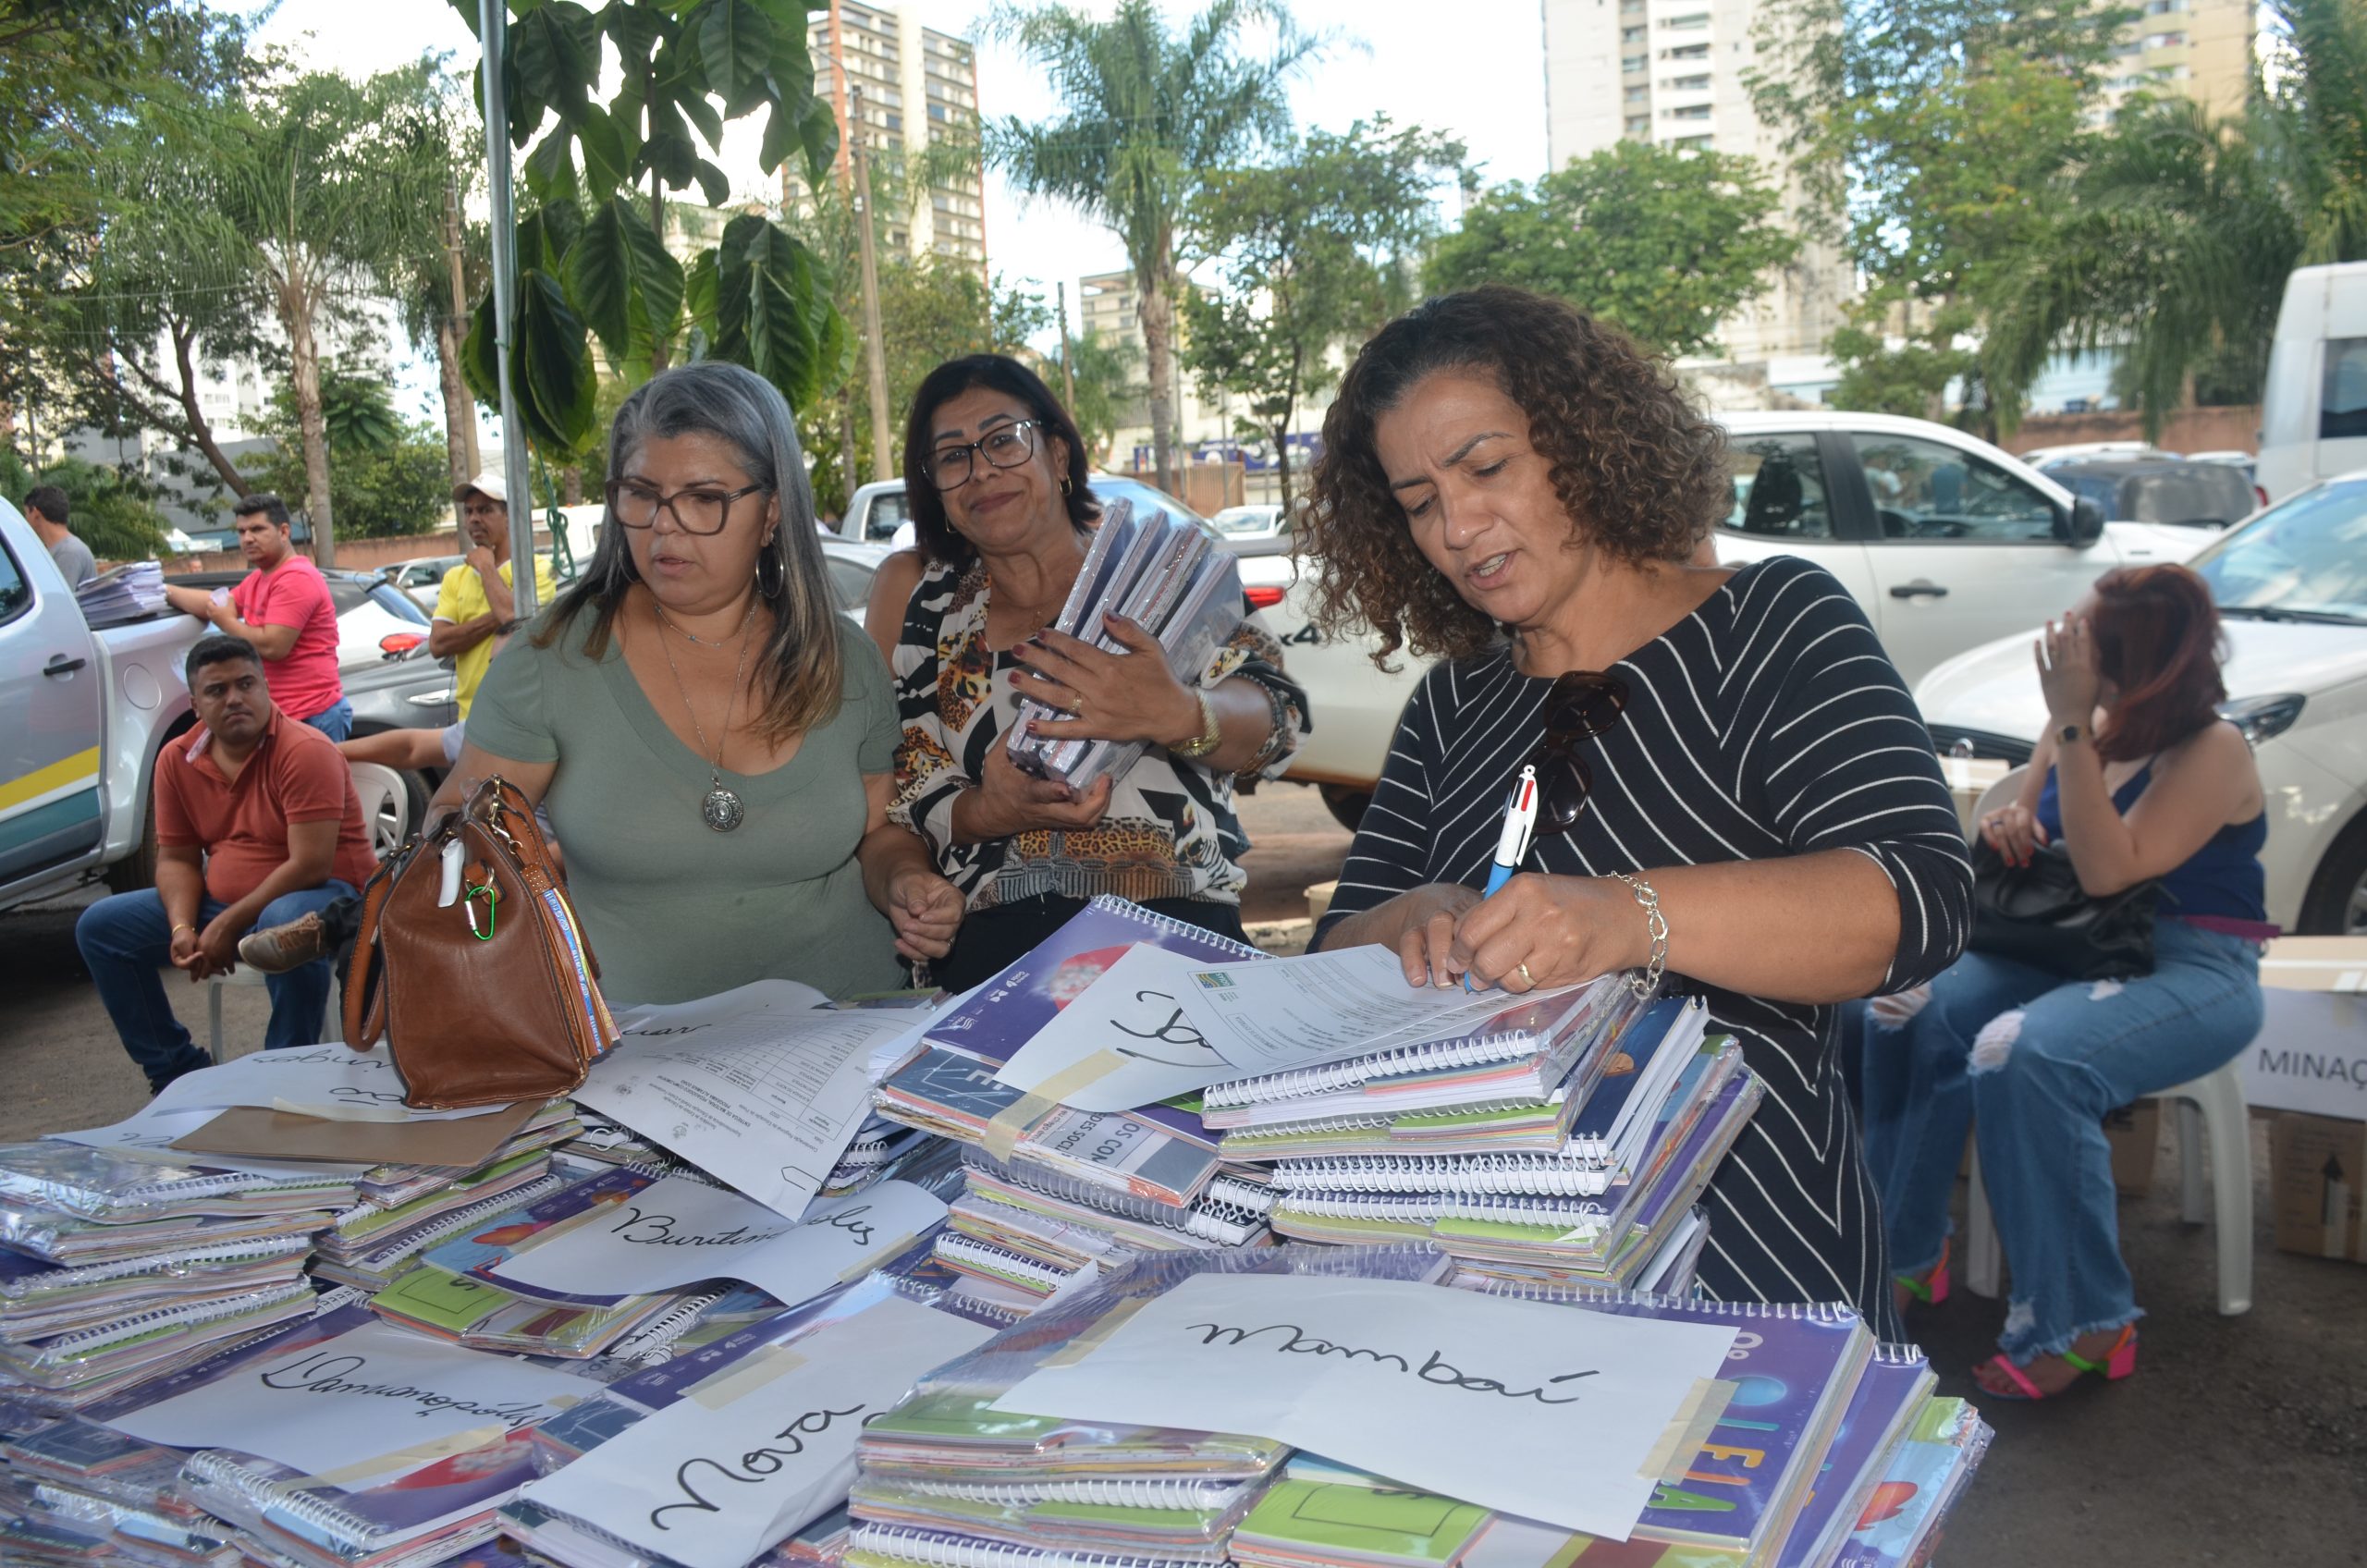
(673, 909)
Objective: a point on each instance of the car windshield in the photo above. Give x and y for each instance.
(395, 602)
(1242, 520)
(1145, 499)
(2305, 556)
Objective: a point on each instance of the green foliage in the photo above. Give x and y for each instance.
(387, 474)
(1107, 373)
(1316, 246)
(111, 512)
(1145, 114)
(1660, 242)
(674, 73)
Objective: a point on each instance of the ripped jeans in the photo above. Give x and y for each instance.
(2034, 1065)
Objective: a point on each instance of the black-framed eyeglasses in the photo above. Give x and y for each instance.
(698, 509)
(1005, 447)
(1583, 705)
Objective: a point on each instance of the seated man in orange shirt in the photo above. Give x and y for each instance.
(256, 822)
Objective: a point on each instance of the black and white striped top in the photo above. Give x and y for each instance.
(1768, 722)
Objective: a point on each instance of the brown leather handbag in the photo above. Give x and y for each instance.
(473, 965)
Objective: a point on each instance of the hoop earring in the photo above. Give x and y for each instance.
(779, 584)
(1065, 486)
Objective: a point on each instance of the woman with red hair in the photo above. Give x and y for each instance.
(2137, 779)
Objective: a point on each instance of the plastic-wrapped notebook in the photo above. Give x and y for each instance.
(1920, 1485)
(116, 1354)
(1897, 1387)
(94, 1185)
(38, 1300)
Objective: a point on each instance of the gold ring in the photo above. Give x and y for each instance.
(1525, 977)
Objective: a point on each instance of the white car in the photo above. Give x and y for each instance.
(2292, 591)
(851, 567)
(1946, 541)
(421, 578)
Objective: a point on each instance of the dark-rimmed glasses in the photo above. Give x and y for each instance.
(1583, 705)
(699, 509)
(1007, 446)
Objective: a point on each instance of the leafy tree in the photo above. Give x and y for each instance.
(1107, 374)
(1927, 134)
(591, 264)
(113, 512)
(1663, 243)
(388, 473)
(2175, 236)
(421, 278)
(1316, 247)
(1145, 114)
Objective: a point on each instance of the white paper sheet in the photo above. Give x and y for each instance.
(150, 1137)
(677, 1232)
(756, 996)
(329, 1081)
(1130, 1020)
(1547, 1412)
(365, 1394)
(764, 1099)
(733, 1468)
(1283, 1012)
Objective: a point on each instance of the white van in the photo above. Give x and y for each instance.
(2314, 408)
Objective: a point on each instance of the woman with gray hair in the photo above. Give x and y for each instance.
(712, 739)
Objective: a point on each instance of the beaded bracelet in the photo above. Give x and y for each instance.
(1657, 965)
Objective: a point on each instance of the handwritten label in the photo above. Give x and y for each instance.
(363, 1394)
(677, 1232)
(1551, 1413)
(313, 1080)
(1122, 1042)
(715, 1484)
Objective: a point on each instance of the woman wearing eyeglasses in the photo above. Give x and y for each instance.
(996, 484)
(713, 740)
(1738, 799)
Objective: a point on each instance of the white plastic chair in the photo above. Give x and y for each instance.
(1998, 794)
(242, 975)
(386, 806)
(2213, 1104)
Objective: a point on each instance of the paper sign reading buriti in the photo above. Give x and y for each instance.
(1547, 1412)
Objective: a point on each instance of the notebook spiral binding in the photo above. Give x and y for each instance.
(951, 1245)
(1900, 1354)
(1113, 904)
(1522, 1209)
(1531, 1290)
(440, 1230)
(1479, 1050)
(1556, 1175)
(68, 1345)
(1156, 1491)
(980, 1306)
(74, 1275)
(1211, 1218)
(654, 1341)
(1420, 1208)
(338, 1296)
(961, 1551)
(269, 1495)
(1250, 1137)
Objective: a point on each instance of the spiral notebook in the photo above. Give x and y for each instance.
(96, 1185)
(1896, 1386)
(1228, 1212)
(891, 1545)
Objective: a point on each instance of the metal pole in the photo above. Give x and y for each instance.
(1068, 377)
(493, 30)
(883, 459)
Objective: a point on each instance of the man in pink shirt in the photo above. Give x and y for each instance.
(283, 608)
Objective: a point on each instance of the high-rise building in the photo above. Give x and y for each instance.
(2198, 49)
(904, 89)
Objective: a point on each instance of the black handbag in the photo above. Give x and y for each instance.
(2040, 915)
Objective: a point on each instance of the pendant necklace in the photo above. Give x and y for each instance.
(721, 809)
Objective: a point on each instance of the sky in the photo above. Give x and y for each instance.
(1475, 68)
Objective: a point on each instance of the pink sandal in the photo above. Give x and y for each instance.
(2118, 1363)
(1932, 1287)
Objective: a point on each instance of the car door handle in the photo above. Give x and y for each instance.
(61, 664)
(1918, 591)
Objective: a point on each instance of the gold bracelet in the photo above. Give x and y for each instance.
(1657, 965)
(1212, 733)
(182, 926)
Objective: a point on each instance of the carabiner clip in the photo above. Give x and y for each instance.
(492, 902)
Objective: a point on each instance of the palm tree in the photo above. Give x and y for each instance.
(1144, 112)
(2178, 233)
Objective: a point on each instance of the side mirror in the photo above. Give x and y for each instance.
(2083, 527)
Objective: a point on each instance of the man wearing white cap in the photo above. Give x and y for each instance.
(474, 603)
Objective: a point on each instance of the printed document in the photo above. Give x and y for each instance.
(762, 1447)
(1551, 1413)
(764, 1099)
(677, 1232)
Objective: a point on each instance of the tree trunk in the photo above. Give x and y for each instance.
(460, 415)
(570, 486)
(847, 461)
(200, 431)
(304, 374)
(1155, 303)
(660, 350)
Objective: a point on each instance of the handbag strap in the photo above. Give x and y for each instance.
(365, 993)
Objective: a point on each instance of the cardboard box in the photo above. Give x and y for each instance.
(2135, 1133)
(2317, 1175)
(2312, 1053)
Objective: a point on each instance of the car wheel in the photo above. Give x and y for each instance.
(2336, 904)
(1347, 805)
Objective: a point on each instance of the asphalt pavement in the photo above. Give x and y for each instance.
(2240, 1441)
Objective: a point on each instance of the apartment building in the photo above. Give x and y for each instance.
(903, 89)
(2198, 49)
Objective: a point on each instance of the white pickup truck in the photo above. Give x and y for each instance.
(87, 712)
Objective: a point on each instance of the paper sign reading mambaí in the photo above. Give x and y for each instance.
(361, 1395)
(1547, 1412)
(677, 1232)
(722, 1474)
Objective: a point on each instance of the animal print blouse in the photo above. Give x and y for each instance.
(1170, 832)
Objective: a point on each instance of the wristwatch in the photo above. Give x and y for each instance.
(1211, 734)
(2067, 734)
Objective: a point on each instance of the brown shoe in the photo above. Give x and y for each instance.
(278, 948)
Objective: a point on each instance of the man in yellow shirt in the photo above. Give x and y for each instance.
(474, 605)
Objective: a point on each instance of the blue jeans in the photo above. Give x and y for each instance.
(337, 722)
(124, 940)
(2034, 1065)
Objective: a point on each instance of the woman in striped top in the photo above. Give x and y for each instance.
(1513, 486)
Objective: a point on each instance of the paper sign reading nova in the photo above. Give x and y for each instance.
(677, 1232)
(1549, 1412)
(727, 1471)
